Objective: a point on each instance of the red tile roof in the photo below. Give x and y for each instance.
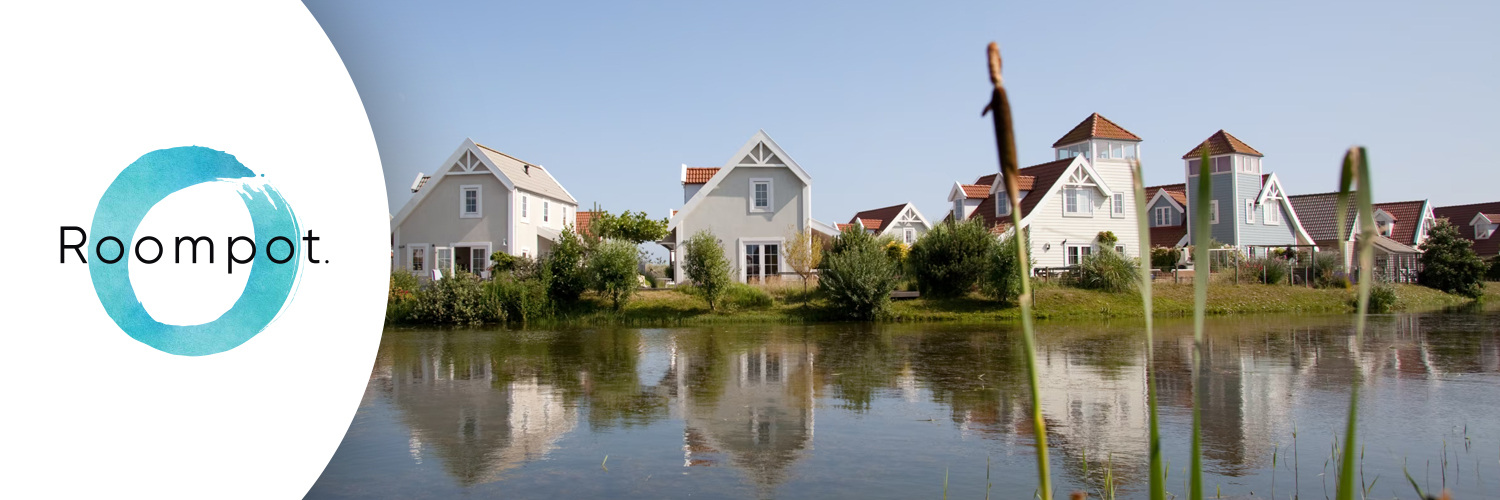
(700, 175)
(1095, 126)
(1042, 176)
(581, 226)
(1461, 215)
(1222, 143)
(976, 190)
(1319, 216)
(1408, 216)
(881, 217)
(842, 226)
(1167, 236)
(1176, 191)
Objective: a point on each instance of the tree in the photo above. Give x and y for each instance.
(853, 236)
(859, 279)
(566, 264)
(634, 227)
(705, 265)
(804, 253)
(1449, 262)
(1002, 280)
(611, 271)
(951, 258)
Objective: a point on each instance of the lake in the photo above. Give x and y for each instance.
(886, 411)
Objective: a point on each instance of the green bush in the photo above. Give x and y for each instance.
(950, 259)
(1002, 279)
(401, 297)
(1165, 259)
(457, 299)
(858, 281)
(1382, 298)
(522, 301)
(1266, 270)
(403, 281)
(740, 296)
(1449, 262)
(1107, 270)
(704, 264)
(568, 277)
(1328, 271)
(1494, 272)
(851, 237)
(611, 271)
(501, 262)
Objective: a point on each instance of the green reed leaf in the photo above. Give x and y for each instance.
(1156, 484)
(1355, 176)
(1201, 269)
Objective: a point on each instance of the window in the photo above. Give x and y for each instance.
(565, 219)
(479, 258)
(1116, 150)
(546, 211)
(1120, 249)
(1161, 216)
(1076, 253)
(525, 202)
(1222, 164)
(1248, 164)
(418, 260)
(1080, 149)
(1192, 168)
(444, 258)
(1482, 231)
(1273, 213)
(762, 260)
(1213, 212)
(1249, 211)
(470, 202)
(1002, 203)
(1118, 210)
(761, 195)
(1078, 201)
(958, 210)
(909, 235)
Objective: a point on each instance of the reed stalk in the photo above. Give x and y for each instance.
(1005, 143)
(1201, 269)
(1156, 485)
(1355, 179)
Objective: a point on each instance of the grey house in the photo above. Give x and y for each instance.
(1249, 209)
(750, 204)
(480, 201)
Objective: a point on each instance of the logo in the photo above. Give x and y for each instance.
(153, 177)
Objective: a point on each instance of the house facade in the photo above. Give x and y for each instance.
(1400, 227)
(1068, 202)
(902, 222)
(1478, 222)
(750, 203)
(1248, 208)
(1166, 212)
(480, 201)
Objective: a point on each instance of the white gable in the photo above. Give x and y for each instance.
(467, 160)
(759, 152)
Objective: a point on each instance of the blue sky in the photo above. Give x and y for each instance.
(880, 101)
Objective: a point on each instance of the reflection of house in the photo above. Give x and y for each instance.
(480, 201)
(456, 414)
(763, 418)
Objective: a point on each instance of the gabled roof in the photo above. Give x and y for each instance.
(1044, 176)
(1221, 143)
(1167, 236)
(1408, 215)
(758, 152)
(976, 190)
(1095, 127)
(881, 219)
(1174, 192)
(843, 226)
(698, 175)
(1462, 215)
(1319, 216)
(527, 176)
(581, 223)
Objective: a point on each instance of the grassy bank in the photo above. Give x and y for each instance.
(671, 307)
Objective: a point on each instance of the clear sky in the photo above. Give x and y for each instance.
(880, 101)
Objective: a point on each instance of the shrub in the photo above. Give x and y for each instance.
(1107, 239)
(950, 259)
(501, 262)
(568, 278)
(456, 299)
(1165, 259)
(402, 281)
(742, 296)
(858, 282)
(1328, 271)
(1382, 298)
(705, 265)
(1494, 272)
(1449, 262)
(611, 271)
(401, 297)
(896, 251)
(1268, 270)
(1107, 270)
(521, 300)
(851, 237)
(1003, 274)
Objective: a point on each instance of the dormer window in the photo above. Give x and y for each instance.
(1482, 231)
(1002, 203)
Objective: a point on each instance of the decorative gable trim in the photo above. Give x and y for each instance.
(909, 213)
(1078, 163)
(457, 159)
(760, 151)
(1162, 194)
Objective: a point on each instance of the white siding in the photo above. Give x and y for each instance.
(1048, 225)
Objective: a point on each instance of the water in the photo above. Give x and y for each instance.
(881, 411)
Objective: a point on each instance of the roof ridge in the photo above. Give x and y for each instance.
(507, 155)
(1471, 204)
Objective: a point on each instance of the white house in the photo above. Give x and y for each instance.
(749, 204)
(1067, 202)
(480, 201)
(903, 222)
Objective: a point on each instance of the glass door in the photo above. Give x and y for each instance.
(752, 263)
(444, 259)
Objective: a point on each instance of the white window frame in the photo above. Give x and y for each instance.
(770, 195)
(525, 211)
(1249, 210)
(546, 211)
(488, 249)
(1120, 249)
(1083, 251)
(1002, 203)
(780, 257)
(1161, 216)
(909, 235)
(565, 221)
(1082, 198)
(1272, 215)
(463, 207)
(411, 251)
(437, 259)
(1213, 211)
(1117, 208)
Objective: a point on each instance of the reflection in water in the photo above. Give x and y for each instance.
(518, 411)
